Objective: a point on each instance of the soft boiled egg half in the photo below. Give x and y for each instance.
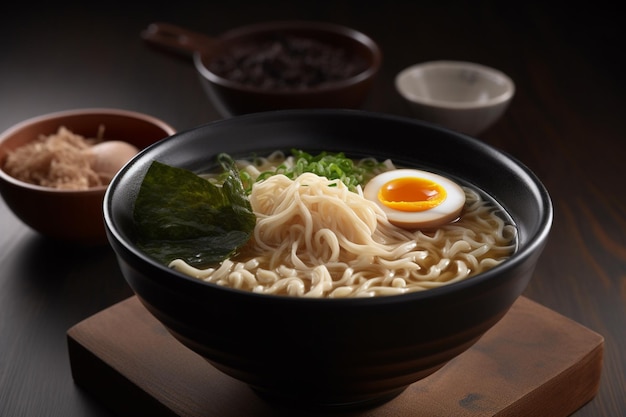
(415, 199)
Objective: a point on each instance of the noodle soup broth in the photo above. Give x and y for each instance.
(318, 237)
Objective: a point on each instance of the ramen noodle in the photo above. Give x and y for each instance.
(316, 238)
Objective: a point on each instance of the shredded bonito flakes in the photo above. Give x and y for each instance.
(61, 160)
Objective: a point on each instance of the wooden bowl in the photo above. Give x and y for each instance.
(232, 96)
(71, 215)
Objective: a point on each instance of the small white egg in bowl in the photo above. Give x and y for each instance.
(463, 96)
(55, 168)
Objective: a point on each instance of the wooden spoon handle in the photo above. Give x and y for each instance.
(177, 39)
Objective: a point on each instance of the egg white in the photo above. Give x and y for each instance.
(448, 211)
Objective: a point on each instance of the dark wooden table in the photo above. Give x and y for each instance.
(567, 123)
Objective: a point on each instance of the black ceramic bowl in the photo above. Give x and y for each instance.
(333, 352)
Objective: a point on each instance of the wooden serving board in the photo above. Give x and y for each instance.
(534, 362)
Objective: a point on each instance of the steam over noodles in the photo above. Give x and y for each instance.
(316, 238)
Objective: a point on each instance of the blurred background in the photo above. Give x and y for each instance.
(91, 69)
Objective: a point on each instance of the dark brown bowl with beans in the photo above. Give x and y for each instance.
(278, 65)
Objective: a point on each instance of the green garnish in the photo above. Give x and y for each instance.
(179, 215)
(334, 166)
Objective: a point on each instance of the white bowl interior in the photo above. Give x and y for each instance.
(454, 84)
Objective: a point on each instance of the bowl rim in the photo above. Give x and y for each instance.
(333, 28)
(109, 111)
(489, 72)
(535, 243)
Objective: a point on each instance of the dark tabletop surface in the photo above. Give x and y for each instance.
(567, 123)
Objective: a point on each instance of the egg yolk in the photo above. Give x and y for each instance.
(411, 194)
(416, 199)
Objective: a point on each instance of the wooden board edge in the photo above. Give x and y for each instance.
(130, 399)
(568, 391)
(584, 376)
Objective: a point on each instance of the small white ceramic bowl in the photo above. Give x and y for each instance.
(458, 95)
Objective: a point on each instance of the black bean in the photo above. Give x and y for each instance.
(287, 62)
